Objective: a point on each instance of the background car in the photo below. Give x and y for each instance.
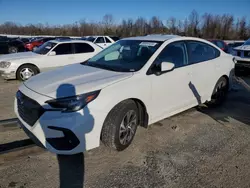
(242, 56)
(102, 41)
(221, 44)
(233, 45)
(37, 42)
(10, 45)
(50, 55)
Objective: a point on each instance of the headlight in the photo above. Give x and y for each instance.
(75, 103)
(4, 64)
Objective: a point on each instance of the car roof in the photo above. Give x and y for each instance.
(70, 41)
(155, 37)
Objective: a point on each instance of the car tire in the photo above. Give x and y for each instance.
(220, 92)
(120, 125)
(25, 72)
(12, 49)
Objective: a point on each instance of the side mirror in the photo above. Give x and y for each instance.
(52, 53)
(167, 66)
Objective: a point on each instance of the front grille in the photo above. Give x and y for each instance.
(243, 62)
(238, 53)
(247, 54)
(28, 109)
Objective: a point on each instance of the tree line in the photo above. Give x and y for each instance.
(225, 27)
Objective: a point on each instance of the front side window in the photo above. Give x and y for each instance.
(124, 56)
(44, 48)
(199, 52)
(100, 40)
(63, 49)
(173, 53)
(83, 48)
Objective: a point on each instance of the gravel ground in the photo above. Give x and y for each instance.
(198, 148)
(8, 90)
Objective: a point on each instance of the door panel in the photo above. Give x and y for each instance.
(83, 52)
(204, 61)
(170, 91)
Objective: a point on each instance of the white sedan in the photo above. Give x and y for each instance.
(50, 55)
(134, 82)
(102, 41)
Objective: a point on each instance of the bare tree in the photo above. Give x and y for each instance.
(207, 26)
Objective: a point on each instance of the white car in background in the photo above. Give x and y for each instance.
(135, 82)
(50, 55)
(102, 41)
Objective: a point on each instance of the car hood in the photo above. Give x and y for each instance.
(17, 56)
(73, 80)
(243, 47)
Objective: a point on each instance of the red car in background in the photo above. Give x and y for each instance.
(221, 44)
(30, 45)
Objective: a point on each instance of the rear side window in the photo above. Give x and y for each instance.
(107, 40)
(199, 52)
(100, 40)
(83, 48)
(63, 49)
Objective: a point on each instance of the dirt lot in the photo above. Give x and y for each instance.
(198, 148)
(7, 93)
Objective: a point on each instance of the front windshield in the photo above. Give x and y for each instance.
(44, 48)
(125, 55)
(247, 42)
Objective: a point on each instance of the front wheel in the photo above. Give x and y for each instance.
(120, 125)
(220, 92)
(13, 49)
(25, 72)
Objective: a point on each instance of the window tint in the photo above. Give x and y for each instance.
(173, 53)
(83, 48)
(107, 40)
(62, 49)
(115, 38)
(100, 40)
(198, 52)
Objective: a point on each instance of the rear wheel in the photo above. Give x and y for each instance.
(25, 72)
(120, 125)
(220, 92)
